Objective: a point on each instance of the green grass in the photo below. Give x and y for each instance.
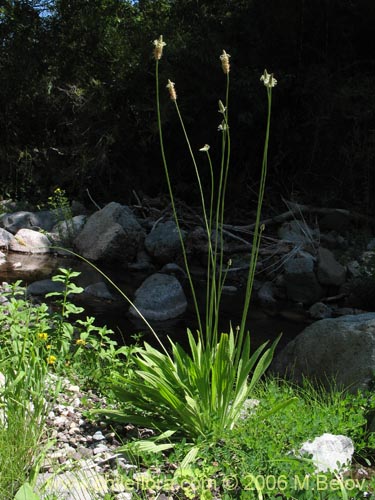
(262, 449)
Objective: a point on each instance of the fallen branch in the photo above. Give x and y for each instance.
(297, 209)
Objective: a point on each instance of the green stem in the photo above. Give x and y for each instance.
(258, 228)
(221, 277)
(207, 219)
(170, 190)
(210, 258)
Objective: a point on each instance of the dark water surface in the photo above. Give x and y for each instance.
(114, 314)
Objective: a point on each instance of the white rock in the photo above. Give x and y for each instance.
(329, 452)
(29, 241)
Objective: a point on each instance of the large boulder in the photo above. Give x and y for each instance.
(160, 297)
(45, 219)
(333, 350)
(163, 242)
(29, 241)
(300, 280)
(329, 271)
(111, 234)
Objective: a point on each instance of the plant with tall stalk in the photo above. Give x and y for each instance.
(198, 395)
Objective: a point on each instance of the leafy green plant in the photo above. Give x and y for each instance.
(24, 394)
(198, 395)
(258, 457)
(36, 339)
(66, 340)
(60, 206)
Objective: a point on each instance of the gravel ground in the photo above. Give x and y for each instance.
(83, 461)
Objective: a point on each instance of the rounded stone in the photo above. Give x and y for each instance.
(160, 297)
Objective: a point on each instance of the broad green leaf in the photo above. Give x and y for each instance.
(26, 493)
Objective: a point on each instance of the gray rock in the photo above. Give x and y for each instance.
(5, 238)
(174, 269)
(44, 219)
(333, 350)
(266, 294)
(69, 229)
(111, 234)
(300, 280)
(43, 287)
(329, 452)
(99, 290)
(160, 297)
(29, 241)
(297, 231)
(142, 263)
(163, 243)
(329, 271)
(319, 310)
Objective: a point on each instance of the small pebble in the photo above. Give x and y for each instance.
(98, 436)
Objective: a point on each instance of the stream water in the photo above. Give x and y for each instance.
(30, 268)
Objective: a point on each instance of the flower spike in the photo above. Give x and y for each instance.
(158, 50)
(268, 79)
(225, 62)
(172, 90)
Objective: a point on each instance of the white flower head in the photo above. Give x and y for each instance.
(206, 147)
(268, 79)
(159, 45)
(172, 90)
(224, 58)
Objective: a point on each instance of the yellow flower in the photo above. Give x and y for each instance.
(172, 91)
(268, 79)
(48, 346)
(51, 360)
(225, 62)
(80, 342)
(42, 336)
(158, 50)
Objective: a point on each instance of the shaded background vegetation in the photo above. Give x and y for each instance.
(77, 100)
